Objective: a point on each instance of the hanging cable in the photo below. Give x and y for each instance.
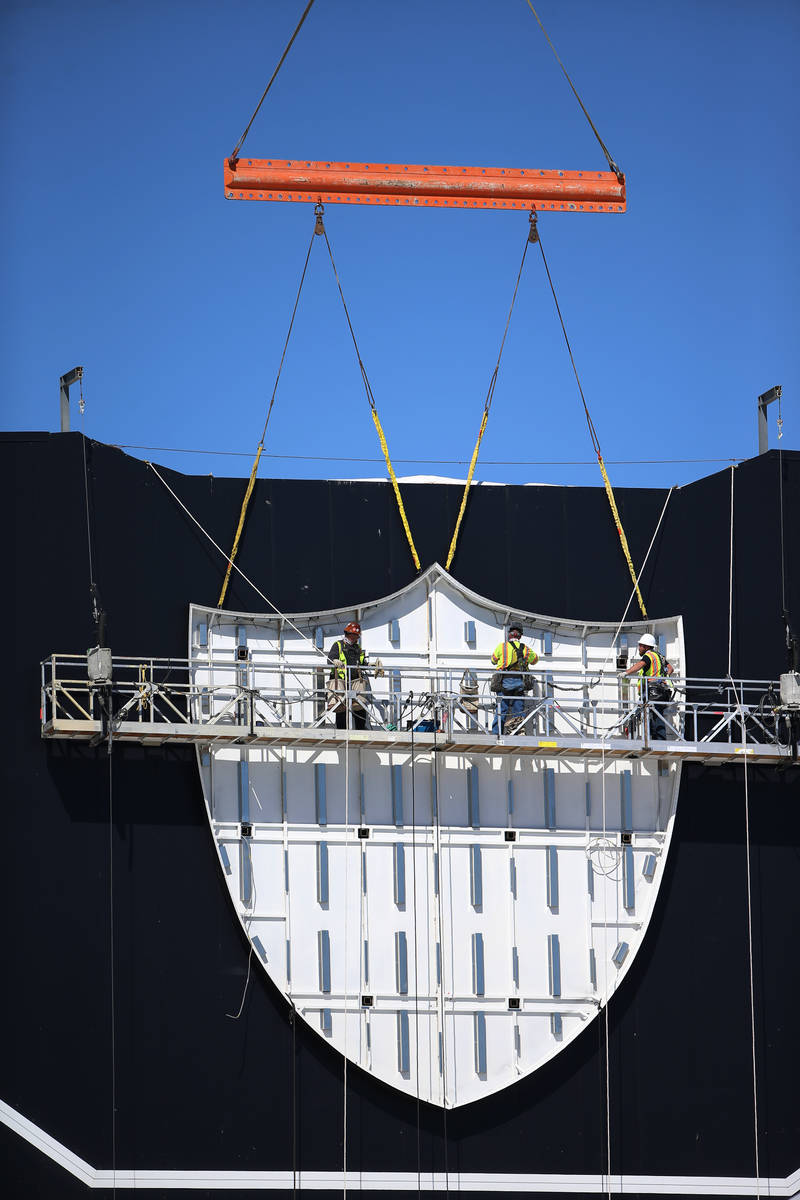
(595, 440)
(252, 480)
(440, 915)
(531, 237)
(370, 397)
(240, 143)
(416, 943)
(612, 166)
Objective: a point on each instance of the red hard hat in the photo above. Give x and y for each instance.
(353, 627)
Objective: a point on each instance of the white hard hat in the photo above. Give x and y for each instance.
(647, 639)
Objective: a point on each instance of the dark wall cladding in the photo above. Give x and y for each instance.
(196, 1089)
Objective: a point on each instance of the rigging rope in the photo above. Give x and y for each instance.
(252, 480)
(595, 442)
(611, 164)
(440, 914)
(370, 397)
(532, 237)
(240, 143)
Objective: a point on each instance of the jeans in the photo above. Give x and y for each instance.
(510, 703)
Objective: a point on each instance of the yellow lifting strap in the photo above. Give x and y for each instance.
(240, 526)
(467, 486)
(621, 532)
(395, 485)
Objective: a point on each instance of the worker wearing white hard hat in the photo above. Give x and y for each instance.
(653, 666)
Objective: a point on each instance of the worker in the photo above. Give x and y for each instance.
(348, 674)
(653, 666)
(513, 659)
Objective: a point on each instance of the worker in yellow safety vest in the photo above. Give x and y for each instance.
(653, 666)
(513, 658)
(349, 673)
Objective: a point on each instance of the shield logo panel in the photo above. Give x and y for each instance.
(448, 883)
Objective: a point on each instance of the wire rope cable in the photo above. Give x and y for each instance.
(612, 165)
(240, 143)
(416, 943)
(370, 398)
(260, 447)
(488, 401)
(595, 441)
(349, 716)
(112, 951)
(440, 913)
(743, 720)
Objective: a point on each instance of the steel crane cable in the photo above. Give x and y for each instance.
(612, 165)
(370, 397)
(595, 440)
(240, 143)
(488, 402)
(251, 482)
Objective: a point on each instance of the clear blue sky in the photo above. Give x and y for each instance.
(122, 254)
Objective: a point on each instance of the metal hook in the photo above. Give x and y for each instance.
(318, 211)
(533, 233)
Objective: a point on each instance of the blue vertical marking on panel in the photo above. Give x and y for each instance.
(258, 945)
(401, 962)
(593, 969)
(364, 870)
(366, 961)
(320, 793)
(588, 798)
(552, 877)
(322, 872)
(226, 862)
(473, 800)
(478, 979)
(435, 873)
(649, 866)
(554, 964)
(550, 693)
(515, 965)
(628, 882)
(590, 877)
(550, 797)
(284, 804)
(438, 964)
(556, 1025)
(512, 876)
(403, 1044)
(435, 797)
(397, 794)
(324, 955)
(362, 799)
(626, 802)
(288, 961)
(399, 865)
(286, 871)
(441, 1054)
(326, 1022)
(480, 1043)
(475, 877)
(510, 797)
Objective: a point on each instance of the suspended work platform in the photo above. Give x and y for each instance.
(157, 701)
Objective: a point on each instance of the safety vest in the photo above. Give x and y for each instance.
(514, 654)
(341, 672)
(656, 664)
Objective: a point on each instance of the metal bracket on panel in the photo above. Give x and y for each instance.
(620, 954)
(554, 964)
(626, 802)
(628, 881)
(397, 794)
(549, 797)
(551, 853)
(324, 960)
(475, 877)
(322, 874)
(401, 962)
(363, 832)
(509, 835)
(320, 793)
(258, 946)
(478, 975)
(399, 872)
(403, 1045)
(479, 1020)
(473, 799)
(367, 1001)
(514, 1003)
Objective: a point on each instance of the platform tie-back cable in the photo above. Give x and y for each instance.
(370, 397)
(252, 480)
(596, 443)
(531, 237)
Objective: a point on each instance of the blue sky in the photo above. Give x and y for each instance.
(122, 254)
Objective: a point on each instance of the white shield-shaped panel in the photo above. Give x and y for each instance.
(448, 883)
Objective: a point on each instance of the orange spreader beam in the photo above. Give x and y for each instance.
(431, 187)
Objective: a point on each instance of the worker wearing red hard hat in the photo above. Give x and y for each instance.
(652, 665)
(349, 673)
